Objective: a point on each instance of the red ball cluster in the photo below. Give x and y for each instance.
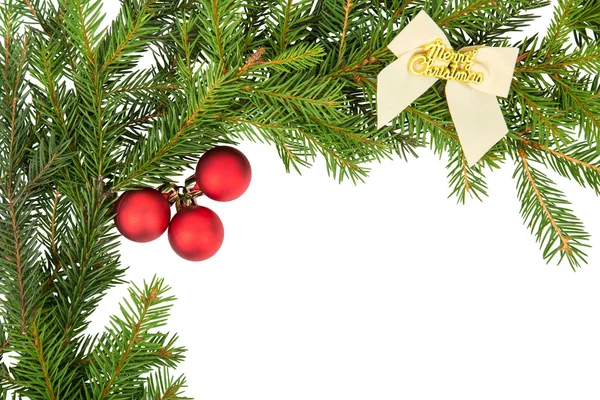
(195, 232)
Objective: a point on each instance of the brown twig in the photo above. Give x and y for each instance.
(557, 154)
(286, 25)
(219, 34)
(346, 8)
(135, 331)
(559, 28)
(43, 363)
(465, 173)
(400, 10)
(564, 240)
(252, 60)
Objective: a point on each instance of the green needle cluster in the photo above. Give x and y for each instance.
(82, 118)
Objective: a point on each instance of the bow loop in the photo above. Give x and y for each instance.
(422, 29)
(497, 65)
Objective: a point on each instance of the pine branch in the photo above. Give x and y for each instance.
(16, 257)
(464, 179)
(17, 266)
(43, 369)
(467, 8)
(583, 102)
(161, 386)
(41, 358)
(300, 75)
(137, 25)
(577, 162)
(93, 267)
(296, 58)
(559, 232)
(168, 140)
(400, 10)
(132, 346)
(559, 29)
(52, 229)
(286, 25)
(347, 9)
(541, 109)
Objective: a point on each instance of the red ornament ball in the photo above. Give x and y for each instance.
(142, 215)
(196, 233)
(223, 173)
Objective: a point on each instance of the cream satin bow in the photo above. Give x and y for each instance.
(474, 107)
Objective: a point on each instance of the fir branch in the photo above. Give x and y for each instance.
(41, 364)
(51, 98)
(558, 30)
(308, 88)
(291, 149)
(292, 98)
(337, 165)
(143, 119)
(39, 349)
(346, 8)
(464, 179)
(87, 18)
(17, 265)
(147, 300)
(576, 162)
(17, 259)
(543, 113)
(44, 173)
(350, 133)
(286, 25)
(584, 103)
(218, 33)
(560, 64)
(54, 228)
(33, 11)
(296, 58)
(170, 142)
(12, 103)
(400, 10)
(563, 156)
(442, 135)
(557, 229)
(220, 17)
(127, 32)
(471, 6)
(161, 386)
(131, 346)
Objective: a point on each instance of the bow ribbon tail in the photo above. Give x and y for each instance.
(478, 119)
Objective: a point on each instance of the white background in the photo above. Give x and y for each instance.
(386, 290)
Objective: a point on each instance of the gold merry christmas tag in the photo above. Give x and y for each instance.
(456, 66)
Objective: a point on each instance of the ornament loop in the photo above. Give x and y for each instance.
(181, 196)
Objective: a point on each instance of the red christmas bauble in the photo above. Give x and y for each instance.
(196, 233)
(142, 215)
(223, 173)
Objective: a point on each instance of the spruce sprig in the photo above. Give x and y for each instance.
(81, 120)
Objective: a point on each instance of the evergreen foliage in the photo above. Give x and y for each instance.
(80, 121)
